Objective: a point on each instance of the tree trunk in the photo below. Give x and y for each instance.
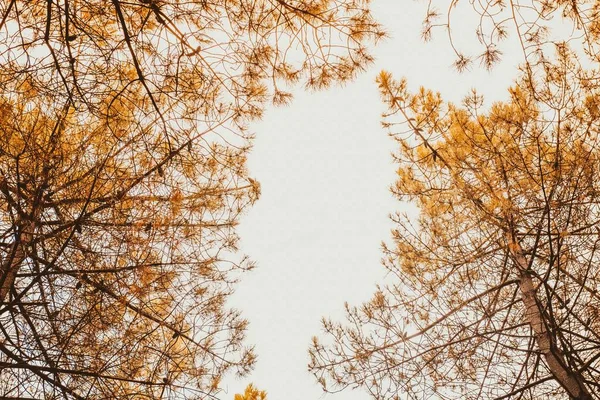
(570, 380)
(18, 253)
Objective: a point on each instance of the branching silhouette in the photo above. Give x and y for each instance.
(495, 291)
(122, 175)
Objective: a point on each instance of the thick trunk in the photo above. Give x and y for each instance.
(18, 253)
(571, 380)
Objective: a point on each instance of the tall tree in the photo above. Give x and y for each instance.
(496, 281)
(122, 163)
(116, 256)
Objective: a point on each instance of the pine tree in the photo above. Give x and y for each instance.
(122, 175)
(495, 290)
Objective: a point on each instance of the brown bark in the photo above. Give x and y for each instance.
(571, 380)
(10, 266)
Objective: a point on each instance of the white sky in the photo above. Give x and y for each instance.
(325, 168)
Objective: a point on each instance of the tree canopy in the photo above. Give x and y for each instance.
(122, 175)
(116, 257)
(193, 62)
(493, 289)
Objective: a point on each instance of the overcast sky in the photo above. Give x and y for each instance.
(325, 168)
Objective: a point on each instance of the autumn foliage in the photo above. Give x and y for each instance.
(494, 291)
(251, 393)
(122, 177)
(494, 286)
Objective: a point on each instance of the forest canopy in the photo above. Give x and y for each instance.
(493, 288)
(123, 176)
